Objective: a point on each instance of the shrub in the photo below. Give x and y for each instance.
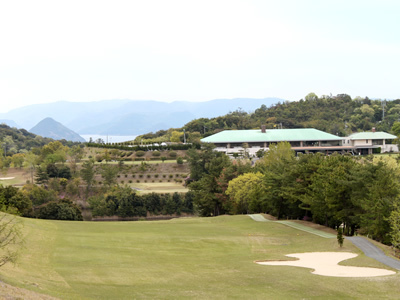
(163, 158)
(171, 176)
(179, 160)
(60, 210)
(156, 175)
(156, 153)
(138, 181)
(172, 154)
(130, 181)
(340, 237)
(148, 176)
(140, 153)
(164, 175)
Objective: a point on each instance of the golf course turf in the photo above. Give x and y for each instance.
(203, 258)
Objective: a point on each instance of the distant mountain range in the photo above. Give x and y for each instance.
(127, 117)
(55, 130)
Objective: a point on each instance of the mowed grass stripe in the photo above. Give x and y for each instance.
(308, 229)
(260, 218)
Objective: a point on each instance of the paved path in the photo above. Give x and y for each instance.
(260, 218)
(374, 252)
(363, 244)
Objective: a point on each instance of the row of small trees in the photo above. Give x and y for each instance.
(361, 193)
(152, 147)
(125, 202)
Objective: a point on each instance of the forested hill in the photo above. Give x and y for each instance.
(15, 140)
(340, 115)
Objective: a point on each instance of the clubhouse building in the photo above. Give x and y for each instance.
(302, 140)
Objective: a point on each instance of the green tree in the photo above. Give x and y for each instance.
(38, 194)
(75, 154)
(205, 168)
(396, 128)
(246, 191)
(7, 144)
(88, 173)
(311, 97)
(331, 192)
(18, 160)
(276, 166)
(176, 136)
(394, 221)
(30, 163)
(377, 196)
(109, 174)
(60, 210)
(54, 152)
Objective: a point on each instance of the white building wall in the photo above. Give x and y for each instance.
(390, 148)
(362, 143)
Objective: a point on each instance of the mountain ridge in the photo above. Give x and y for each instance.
(129, 117)
(50, 128)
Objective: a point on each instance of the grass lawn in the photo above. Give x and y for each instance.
(203, 258)
(159, 187)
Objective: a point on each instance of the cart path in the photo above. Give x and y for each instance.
(363, 244)
(374, 252)
(260, 218)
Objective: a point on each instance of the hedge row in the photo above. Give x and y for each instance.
(145, 148)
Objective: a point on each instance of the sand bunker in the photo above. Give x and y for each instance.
(326, 264)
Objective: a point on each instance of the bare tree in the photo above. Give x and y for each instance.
(10, 238)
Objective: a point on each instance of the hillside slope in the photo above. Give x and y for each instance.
(55, 130)
(128, 117)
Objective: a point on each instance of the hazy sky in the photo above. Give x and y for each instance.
(197, 50)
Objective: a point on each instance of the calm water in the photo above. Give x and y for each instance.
(109, 138)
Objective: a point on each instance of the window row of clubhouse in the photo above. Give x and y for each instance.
(302, 140)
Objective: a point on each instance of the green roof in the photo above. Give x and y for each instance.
(271, 135)
(378, 135)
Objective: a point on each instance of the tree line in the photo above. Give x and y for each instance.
(340, 115)
(124, 202)
(362, 194)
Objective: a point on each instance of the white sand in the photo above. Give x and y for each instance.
(326, 264)
(7, 178)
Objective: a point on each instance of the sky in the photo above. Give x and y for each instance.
(196, 50)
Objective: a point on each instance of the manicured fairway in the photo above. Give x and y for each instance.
(203, 258)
